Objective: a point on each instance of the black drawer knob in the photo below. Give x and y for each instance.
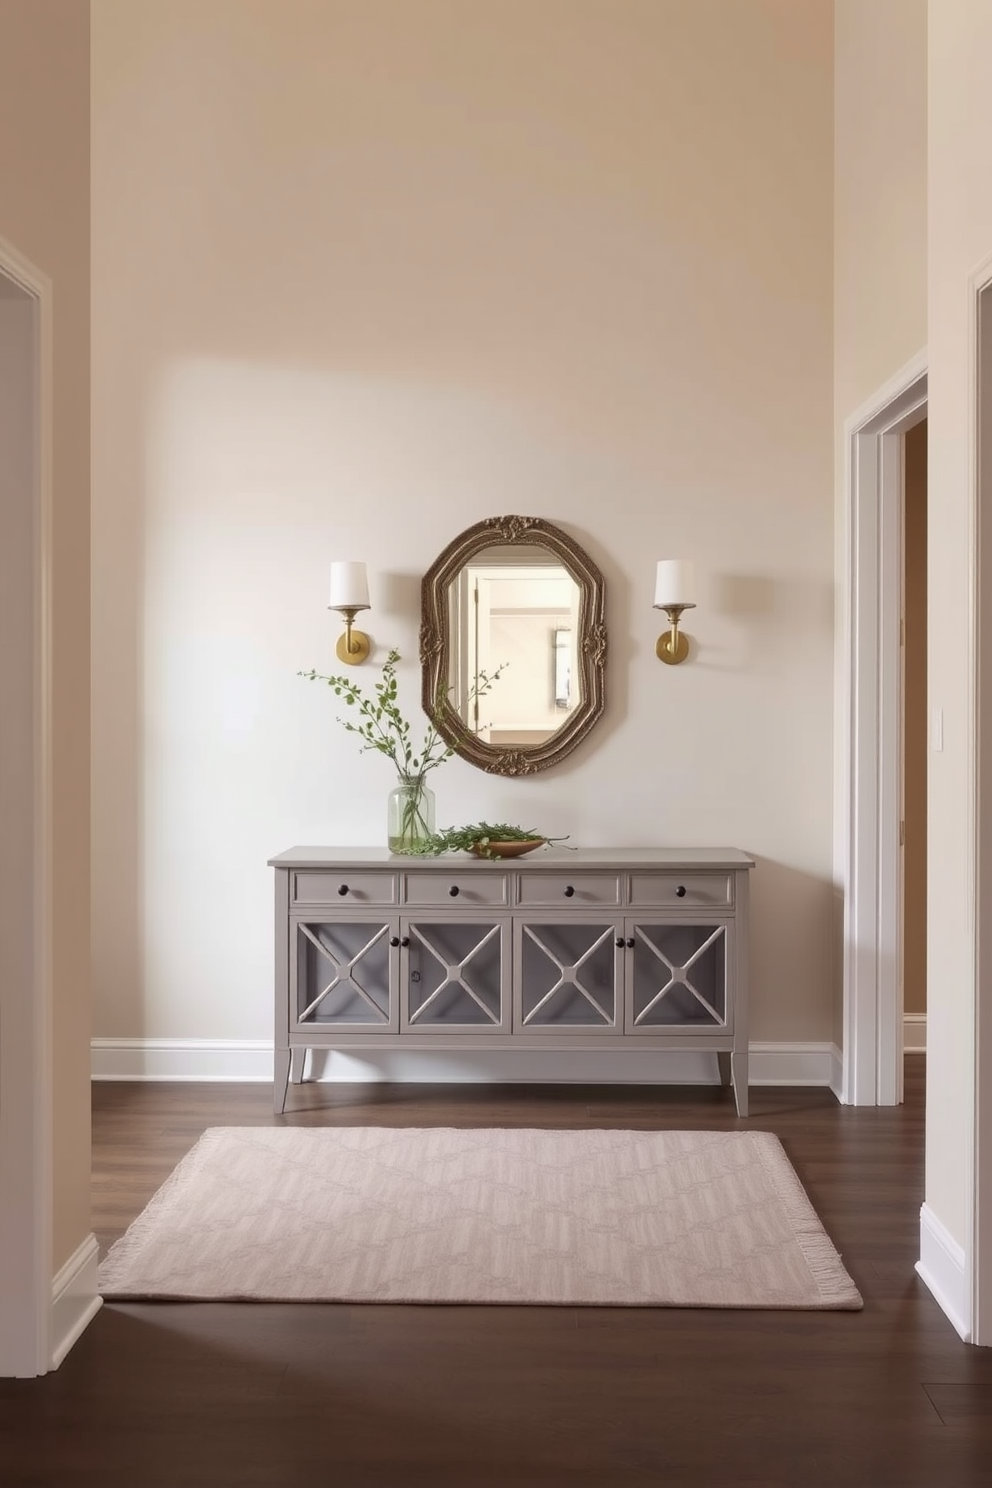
(405, 941)
(343, 889)
(569, 891)
(630, 944)
(454, 891)
(680, 891)
(394, 940)
(620, 942)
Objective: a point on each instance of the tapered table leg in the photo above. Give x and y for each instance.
(280, 1080)
(738, 1065)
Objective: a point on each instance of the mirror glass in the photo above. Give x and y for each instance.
(518, 596)
(515, 609)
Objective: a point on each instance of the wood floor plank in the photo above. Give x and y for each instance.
(293, 1395)
(968, 1403)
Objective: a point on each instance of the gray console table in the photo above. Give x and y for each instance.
(557, 950)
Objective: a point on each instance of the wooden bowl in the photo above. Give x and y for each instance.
(508, 849)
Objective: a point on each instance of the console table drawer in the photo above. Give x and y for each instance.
(456, 888)
(344, 887)
(577, 890)
(674, 890)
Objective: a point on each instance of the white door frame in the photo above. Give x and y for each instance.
(26, 1159)
(870, 808)
(980, 446)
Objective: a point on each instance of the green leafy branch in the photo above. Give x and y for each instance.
(380, 723)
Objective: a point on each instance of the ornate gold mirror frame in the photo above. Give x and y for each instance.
(436, 644)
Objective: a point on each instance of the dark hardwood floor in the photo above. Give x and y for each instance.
(273, 1396)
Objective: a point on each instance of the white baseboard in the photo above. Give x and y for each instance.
(942, 1267)
(251, 1059)
(75, 1299)
(837, 1072)
(914, 1033)
(792, 1064)
(180, 1059)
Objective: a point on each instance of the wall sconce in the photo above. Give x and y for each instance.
(674, 590)
(349, 594)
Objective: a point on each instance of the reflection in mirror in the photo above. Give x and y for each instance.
(518, 595)
(512, 608)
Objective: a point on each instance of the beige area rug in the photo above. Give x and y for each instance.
(386, 1214)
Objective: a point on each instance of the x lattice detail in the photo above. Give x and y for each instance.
(569, 974)
(678, 975)
(343, 973)
(453, 973)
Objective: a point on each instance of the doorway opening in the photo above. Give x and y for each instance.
(871, 824)
(914, 741)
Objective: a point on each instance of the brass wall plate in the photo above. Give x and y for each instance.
(663, 650)
(360, 648)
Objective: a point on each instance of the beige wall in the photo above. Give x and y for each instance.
(960, 229)
(880, 268)
(364, 274)
(44, 213)
(880, 193)
(915, 735)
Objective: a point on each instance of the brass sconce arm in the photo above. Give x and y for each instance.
(353, 647)
(673, 646)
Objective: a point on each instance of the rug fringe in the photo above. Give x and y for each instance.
(822, 1257)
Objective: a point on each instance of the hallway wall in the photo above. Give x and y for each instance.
(45, 214)
(364, 275)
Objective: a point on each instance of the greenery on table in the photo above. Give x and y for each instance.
(478, 837)
(380, 724)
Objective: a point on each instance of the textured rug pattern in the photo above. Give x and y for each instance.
(386, 1214)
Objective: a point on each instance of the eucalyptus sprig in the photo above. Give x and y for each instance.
(381, 725)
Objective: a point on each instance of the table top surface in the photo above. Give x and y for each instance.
(542, 859)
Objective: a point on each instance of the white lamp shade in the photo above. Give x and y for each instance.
(675, 584)
(349, 587)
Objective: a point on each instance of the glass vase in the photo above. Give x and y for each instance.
(409, 815)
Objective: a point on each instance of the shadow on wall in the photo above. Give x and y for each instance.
(768, 617)
(792, 915)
